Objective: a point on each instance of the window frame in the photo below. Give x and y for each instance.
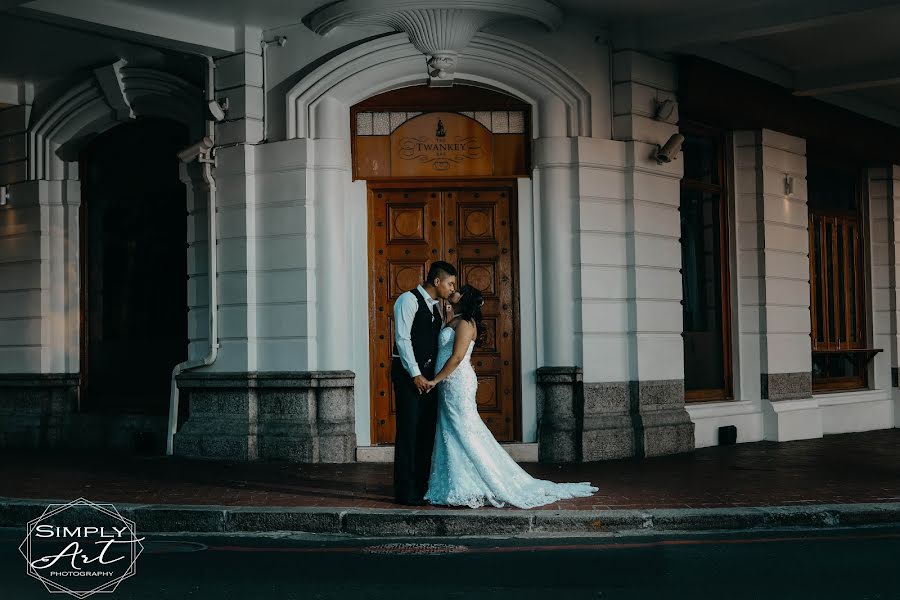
(858, 349)
(722, 189)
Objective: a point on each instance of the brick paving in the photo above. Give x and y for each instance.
(838, 469)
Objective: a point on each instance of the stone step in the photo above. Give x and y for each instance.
(159, 518)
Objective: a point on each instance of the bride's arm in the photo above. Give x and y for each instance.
(465, 333)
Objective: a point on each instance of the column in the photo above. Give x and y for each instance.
(884, 208)
(773, 243)
(652, 231)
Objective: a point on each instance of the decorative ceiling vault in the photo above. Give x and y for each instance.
(438, 32)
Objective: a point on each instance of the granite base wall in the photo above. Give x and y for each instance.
(42, 411)
(581, 422)
(305, 417)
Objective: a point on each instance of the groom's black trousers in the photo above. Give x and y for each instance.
(416, 421)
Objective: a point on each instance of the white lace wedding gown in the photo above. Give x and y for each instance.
(468, 466)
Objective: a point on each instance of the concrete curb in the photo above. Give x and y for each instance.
(162, 518)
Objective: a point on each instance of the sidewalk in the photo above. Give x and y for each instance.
(848, 478)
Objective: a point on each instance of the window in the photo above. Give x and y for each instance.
(836, 269)
(704, 272)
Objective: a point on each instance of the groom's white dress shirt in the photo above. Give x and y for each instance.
(405, 309)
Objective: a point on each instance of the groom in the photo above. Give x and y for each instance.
(417, 322)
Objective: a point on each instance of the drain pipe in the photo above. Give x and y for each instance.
(208, 162)
(281, 40)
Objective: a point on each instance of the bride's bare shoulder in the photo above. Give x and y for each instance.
(465, 326)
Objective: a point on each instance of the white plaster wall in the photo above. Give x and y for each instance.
(530, 315)
(773, 248)
(283, 279)
(236, 265)
(266, 260)
(578, 47)
(892, 192)
(289, 64)
(654, 256)
(197, 203)
(23, 285)
(39, 279)
(649, 311)
(603, 268)
(14, 143)
(773, 232)
(883, 196)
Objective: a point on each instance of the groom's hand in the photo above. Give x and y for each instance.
(421, 384)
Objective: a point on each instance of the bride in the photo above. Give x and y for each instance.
(468, 466)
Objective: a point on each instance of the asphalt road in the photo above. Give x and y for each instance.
(845, 564)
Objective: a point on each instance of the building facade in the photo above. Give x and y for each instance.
(669, 245)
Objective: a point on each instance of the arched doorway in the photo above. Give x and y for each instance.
(440, 166)
(133, 267)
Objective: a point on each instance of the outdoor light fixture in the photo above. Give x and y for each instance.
(788, 185)
(4, 195)
(664, 109)
(193, 151)
(668, 151)
(218, 108)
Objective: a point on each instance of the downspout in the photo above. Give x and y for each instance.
(281, 40)
(212, 242)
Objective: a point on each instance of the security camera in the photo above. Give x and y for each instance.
(668, 151)
(281, 40)
(193, 151)
(217, 108)
(664, 109)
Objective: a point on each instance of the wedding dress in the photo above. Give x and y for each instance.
(468, 466)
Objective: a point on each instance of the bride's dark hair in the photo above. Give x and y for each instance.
(469, 306)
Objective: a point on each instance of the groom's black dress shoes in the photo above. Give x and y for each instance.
(411, 501)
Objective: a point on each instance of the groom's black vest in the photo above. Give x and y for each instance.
(424, 335)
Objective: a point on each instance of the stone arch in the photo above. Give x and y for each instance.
(115, 94)
(112, 95)
(561, 104)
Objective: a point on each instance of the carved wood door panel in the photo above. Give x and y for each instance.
(471, 227)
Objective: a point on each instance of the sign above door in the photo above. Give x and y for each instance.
(440, 144)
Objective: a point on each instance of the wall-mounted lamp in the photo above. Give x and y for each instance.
(668, 151)
(664, 109)
(788, 185)
(4, 195)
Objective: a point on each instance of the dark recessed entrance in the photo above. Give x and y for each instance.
(133, 267)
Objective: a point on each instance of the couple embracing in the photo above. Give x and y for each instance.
(443, 452)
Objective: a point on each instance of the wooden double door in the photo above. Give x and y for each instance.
(471, 226)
